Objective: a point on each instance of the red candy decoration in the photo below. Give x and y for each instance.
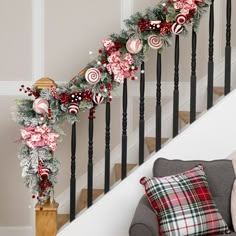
(177, 28)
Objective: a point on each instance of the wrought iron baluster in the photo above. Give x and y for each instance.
(107, 149)
(124, 132)
(141, 115)
(73, 179)
(90, 159)
(211, 59)
(176, 89)
(158, 103)
(193, 79)
(228, 49)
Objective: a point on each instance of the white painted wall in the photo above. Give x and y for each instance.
(211, 137)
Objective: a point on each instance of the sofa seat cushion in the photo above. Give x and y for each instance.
(184, 205)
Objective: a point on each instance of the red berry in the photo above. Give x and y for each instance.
(100, 51)
(164, 9)
(100, 69)
(22, 86)
(33, 196)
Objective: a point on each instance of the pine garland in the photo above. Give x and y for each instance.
(119, 58)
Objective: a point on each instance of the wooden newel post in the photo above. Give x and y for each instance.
(46, 219)
(46, 215)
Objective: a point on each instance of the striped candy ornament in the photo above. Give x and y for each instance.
(177, 28)
(134, 45)
(73, 108)
(40, 106)
(154, 42)
(98, 98)
(92, 75)
(180, 19)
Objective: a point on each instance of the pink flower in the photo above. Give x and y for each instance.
(108, 44)
(39, 136)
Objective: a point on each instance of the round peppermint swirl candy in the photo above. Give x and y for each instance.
(180, 19)
(177, 28)
(40, 106)
(73, 108)
(92, 75)
(154, 42)
(134, 45)
(98, 98)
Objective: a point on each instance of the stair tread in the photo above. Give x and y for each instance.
(83, 197)
(185, 116)
(151, 143)
(62, 219)
(117, 169)
(218, 91)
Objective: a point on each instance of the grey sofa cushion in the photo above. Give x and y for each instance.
(220, 176)
(144, 222)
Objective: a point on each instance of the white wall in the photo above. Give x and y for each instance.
(211, 137)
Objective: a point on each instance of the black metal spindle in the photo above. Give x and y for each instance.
(90, 159)
(73, 179)
(193, 78)
(228, 49)
(176, 89)
(107, 149)
(141, 115)
(210, 58)
(158, 103)
(124, 132)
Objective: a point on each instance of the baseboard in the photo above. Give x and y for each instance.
(16, 231)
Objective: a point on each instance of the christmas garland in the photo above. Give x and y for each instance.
(118, 59)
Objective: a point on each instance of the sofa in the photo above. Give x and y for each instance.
(220, 176)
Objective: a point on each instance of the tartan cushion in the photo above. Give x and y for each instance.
(184, 205)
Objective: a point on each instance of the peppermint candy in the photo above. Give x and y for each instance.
(98, 98)
(180, 19)
(40, 106)
(92, 75)
(134, 45)
(177, 28)
(154, 42)
(73, 108)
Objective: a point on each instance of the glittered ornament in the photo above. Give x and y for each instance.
(154, 42)
(76, 97)
(40, 106)
(98, 98)
(73, 108)
(134, 45)
(180, 19)
(92, 75)
(154, 24)
(177, 28)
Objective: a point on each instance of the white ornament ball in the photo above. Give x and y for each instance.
(177, 28)
(92, 75)
(154, 42)
(180, 19)
(73, 108)
(134, 45)
(40, 106)
(98, 98)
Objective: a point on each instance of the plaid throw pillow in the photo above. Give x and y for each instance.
(184, 205)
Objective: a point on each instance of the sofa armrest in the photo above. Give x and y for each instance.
(144, 221)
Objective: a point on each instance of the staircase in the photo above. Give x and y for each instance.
(125, 187)
(150, 142)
